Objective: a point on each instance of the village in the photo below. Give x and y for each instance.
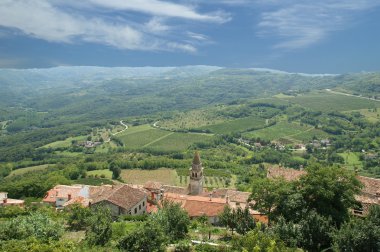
(197, 201)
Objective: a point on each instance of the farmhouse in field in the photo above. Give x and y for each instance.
(5, 201)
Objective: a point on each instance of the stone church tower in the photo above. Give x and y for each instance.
(196, 176)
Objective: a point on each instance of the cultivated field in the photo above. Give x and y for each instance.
(323, 101)
(30, 169)
(237, 125)
(372, 115)
(172, 177)
(165, 176)
(285, 130)
(65, 143)
(100, 173)
(152, 138)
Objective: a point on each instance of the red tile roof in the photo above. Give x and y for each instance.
(197, 206)
(287, 174)
(121, 195)
(152, 185)
(371, 185)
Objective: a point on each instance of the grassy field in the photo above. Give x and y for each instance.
(351, 160)
(30, 169)
(64, 143)
(135, 129)
(284, 130)
(165, 176)
(324, 101)
(193, 119)
(307, 136)
(179, 141)
(99, 173)
(171, 177)
(237, 125)
(147, 137)
(141, 138)
(370, 114)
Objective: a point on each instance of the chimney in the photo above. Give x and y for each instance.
(68, 197)
(5, 200)
(210, 195)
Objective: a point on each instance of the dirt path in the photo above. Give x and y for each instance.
(358, 96)
(121, 131)
(158, 139)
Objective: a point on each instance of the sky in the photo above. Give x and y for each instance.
(309, 36)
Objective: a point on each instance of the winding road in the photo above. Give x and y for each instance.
(114, 134)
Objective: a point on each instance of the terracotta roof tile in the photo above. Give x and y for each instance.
(121, 195)
(371, 185)
(152, 185)
(287, 174)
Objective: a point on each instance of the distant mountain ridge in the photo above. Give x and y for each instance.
(210, 84)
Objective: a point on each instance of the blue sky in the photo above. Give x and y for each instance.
(325, 36)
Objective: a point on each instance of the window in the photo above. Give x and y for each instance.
(139, 207)
(136, 210)
(143, 203)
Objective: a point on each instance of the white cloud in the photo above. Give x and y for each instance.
(156, 25)
(75, 22)
(299, 24)
(197, 36)
(161, 8)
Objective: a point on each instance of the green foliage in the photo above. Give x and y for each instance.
(37, 224)
(267, 193)
(173, 220)
(77, 218)
(359, 235)
(330, 191)
(34, 184)
(239, 219)
(99, 229)
(258, 240)
(32, 244)
(12, 211)
(148, 238)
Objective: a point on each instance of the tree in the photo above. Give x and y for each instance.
(148, 238)
(330, 191)
(359, 235)
(267, 193)
(228, 218)
(78, 217)
(37, 224)
(99, 229)
(173, 220)
(258, 240)
(245, 221)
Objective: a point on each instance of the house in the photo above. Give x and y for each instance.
(286, 173)
(5, 201)
(61, 194)
(370, 194)
(198, 206)
(121, 200)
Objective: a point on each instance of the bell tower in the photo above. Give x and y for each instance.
(196, 176)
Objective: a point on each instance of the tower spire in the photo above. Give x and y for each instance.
(196, 159)
(196, 176)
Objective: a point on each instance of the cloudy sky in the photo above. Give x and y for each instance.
(324, 36)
